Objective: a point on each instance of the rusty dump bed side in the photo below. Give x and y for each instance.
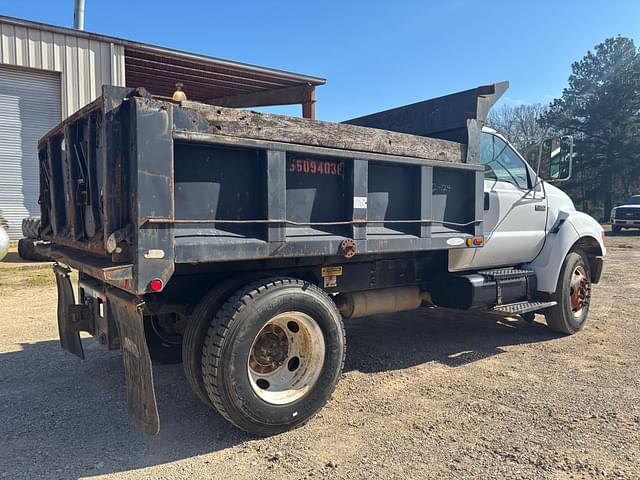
(132, 185)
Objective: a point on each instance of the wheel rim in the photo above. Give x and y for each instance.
(164, 326)
(579, 291)
(286, 358)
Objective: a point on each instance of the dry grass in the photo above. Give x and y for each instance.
(26, 277)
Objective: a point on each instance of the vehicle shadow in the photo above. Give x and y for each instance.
(449, 337)
(13, 257)
(62, 418)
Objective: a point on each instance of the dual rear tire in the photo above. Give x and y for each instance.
(163, 337)
(271, 353)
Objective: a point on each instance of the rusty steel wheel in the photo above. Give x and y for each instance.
(579, 290)
(286, 358)
(573, 295)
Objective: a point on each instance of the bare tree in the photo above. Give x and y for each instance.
(521, 124)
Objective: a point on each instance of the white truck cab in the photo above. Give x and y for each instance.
(533, 224)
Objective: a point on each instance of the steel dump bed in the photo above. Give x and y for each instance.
(134, 187)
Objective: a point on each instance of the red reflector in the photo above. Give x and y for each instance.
(155, 285)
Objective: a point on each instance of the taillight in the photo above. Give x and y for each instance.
(155, 285)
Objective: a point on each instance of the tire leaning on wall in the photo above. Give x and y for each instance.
(31, 227)
(27, 250)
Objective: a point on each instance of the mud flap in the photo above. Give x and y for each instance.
(141, 398)
(69, 335)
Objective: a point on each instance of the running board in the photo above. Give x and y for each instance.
(523, 307)
(506, 273)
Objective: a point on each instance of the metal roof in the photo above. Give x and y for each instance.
(204, 77)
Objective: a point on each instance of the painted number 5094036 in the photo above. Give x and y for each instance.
(318, 167)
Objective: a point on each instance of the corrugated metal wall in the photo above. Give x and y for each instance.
(85, 64)
(45, 75)
(29, 108)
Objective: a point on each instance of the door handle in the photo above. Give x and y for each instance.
(486, 201)
(541, 208)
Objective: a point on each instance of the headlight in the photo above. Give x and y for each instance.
(613, 213)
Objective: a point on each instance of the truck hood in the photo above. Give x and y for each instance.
(627, 205)
(558, 199)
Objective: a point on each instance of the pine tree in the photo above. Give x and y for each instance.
(601, 108)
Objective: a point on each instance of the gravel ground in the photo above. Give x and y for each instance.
(424, 395)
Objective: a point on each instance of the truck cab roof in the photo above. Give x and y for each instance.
(634, 200)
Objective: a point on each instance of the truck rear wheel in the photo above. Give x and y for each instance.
(163, 339)
(196, 331)
(573, 294)
(273, 355)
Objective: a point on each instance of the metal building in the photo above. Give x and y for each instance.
(49, 72)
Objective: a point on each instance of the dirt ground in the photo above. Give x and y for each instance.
(423, 395)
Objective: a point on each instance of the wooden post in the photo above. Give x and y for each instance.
(309, 104)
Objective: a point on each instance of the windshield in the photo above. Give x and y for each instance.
(634, 200)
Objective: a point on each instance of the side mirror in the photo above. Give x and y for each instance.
(556, 158)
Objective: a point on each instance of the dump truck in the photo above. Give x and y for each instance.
(237, 242)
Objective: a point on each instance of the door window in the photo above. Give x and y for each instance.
(501, 163)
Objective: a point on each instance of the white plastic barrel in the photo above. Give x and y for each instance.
(4, 243)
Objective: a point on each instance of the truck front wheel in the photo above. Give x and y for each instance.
(273, 355)
(573, 295)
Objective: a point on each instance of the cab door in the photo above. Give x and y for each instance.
(515, 215)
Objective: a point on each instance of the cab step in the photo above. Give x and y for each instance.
(523, 307)
(506, 273)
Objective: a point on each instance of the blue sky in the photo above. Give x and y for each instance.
(374, 54)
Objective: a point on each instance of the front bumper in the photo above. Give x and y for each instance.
(625, 223)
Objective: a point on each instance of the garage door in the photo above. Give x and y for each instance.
(29, 107)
